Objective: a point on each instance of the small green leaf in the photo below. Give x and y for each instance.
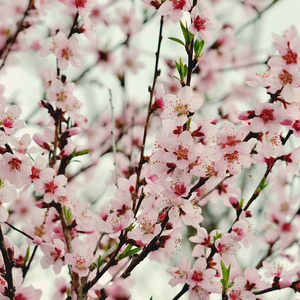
(130, 227)
(185, 70)
(225, 273)
(224, 269)
(198, 46)
(188, 37)
(242, 202)
(224, 284)
(27, 255)
(100, 262)
(128, 252)
(151, 298)
(230, 284)
(182, 70)
(67, 214)
(178, 67)
(177, 40)
(184, 31)
(217, 236)
(80, 153)
(262, 185)
(188, 123)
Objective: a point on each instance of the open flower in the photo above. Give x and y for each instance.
(204, 23)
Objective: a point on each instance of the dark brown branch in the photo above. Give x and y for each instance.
(151, 90)
(182, 292)
(12, 41)
(152, 246)
(294, 286)
(16, 229)
(111, 262)
(9, 264)
(25, 270)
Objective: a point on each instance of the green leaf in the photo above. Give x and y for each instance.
(185, 70)
(217, 236)
(151, 298)
(188, 123)
(184, 31)
(67, 214)
(130, 227)
(27, 255)
(100, 262)
(94, 266)
(230, 284)
(242, 202)
(224, 284)
(225, 273)
(177, 40)
(198, 46)
(128, 252)
(262, 185)
(79, 153)
(176, 77)
(182, 70)
(224, 269)
(188, 37)
(178, 67)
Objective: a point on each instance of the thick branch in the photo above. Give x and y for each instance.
(9, 263)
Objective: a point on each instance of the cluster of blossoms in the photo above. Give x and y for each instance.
(197, 158)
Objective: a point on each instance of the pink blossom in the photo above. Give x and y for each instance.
(180, 273)
(114, 223)
(174, 8)
(199, 275)
(16, 169)
(267, 117)
(40, 164)
(62, 287)
(278, 272)
(127, 21)
(21, 144)
(241, 231)
(80, 260)
(185, 102)
(238, 292)
(8, 193)
(62, 94)
(204, 23)
(52, 186)
(10, 119)
(66, 50)
(28, 292)
(54, 253)
(254, 280)
(226, 248)
(146, 228)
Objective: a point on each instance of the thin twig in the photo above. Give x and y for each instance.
(151, 90)
(242, 66)
(113, 140)
(19, 30)
(30, 261)
(256, 18)
(16, 229)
